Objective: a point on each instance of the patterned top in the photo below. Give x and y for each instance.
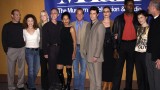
(142, 35)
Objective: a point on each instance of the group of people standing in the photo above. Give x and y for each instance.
(135, 42)
(101, 47)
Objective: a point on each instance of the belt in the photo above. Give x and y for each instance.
(34, 49)
(78, 45)
(129, 40)
(55, 44)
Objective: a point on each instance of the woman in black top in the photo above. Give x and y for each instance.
(67, 50)
(109, 62)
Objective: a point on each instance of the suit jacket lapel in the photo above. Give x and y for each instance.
(94, 25)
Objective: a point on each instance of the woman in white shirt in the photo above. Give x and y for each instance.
(31, 34)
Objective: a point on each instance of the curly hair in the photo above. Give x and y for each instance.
(35, 25)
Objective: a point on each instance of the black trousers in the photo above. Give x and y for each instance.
(126, 53)
(44, 71)
(141, 71)
(53, 55)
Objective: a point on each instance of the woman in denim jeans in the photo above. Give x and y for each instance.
(31, 35)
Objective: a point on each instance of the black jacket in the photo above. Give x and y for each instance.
(153, 44)
(118, 28)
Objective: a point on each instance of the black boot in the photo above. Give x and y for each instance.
(69, 78)
(61, 78)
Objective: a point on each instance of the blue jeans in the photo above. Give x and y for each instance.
(79, 76)
(33, 62)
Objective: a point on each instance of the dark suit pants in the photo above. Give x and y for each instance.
(141, 71)
(126, 53)
(44, 71)
(53, 55)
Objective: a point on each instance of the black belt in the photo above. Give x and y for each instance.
(34, 49)
(55, 44)
(129, 40)
(78, 45)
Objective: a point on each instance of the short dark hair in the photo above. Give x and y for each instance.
(79, 9)
(66, 14)
(55, 9)
(94, 8)
(12, 12)
(126, 1)
(143, 12)
(35, 25)
(108, 8)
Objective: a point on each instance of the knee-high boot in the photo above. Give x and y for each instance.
(69, 78)
(61, 78)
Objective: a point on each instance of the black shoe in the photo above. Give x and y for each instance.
(44, 89)
(27, 85)
(21, 88)
(33, 89)
(69, 78)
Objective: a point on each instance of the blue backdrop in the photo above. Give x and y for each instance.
(117, 6)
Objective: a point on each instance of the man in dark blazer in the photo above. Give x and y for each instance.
(124, 28)
(153, 46)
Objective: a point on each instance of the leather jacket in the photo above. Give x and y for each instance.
(118, 28)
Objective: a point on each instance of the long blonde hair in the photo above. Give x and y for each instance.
(43, 11)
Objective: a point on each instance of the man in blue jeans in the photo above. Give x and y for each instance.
(80, 26)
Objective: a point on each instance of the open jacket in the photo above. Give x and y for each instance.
(118, 28)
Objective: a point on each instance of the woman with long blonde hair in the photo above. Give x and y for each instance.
(44, 18)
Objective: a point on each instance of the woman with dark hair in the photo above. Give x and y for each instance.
(67, 51)
(109, 62)
(31, 34)
(140, 50)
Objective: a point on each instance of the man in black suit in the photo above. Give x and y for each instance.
(153, 46)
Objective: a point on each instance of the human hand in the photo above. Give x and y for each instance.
(115, 54)
(73, 56)
(94, 59)
(115, 36)
(158, 64)
(46, 56)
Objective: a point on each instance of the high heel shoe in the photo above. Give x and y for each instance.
(109, 86)
(105, 86)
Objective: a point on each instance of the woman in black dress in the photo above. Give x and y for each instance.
(67, 51)
(109, 62)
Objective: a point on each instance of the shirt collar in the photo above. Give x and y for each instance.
(156, 16)
(77, 22)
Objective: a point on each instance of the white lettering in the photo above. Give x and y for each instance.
(85, 9)
(137, 8)
(85, 1)
(115, 9)
(71, 10)
(61, 2)
(80, 1)
(61, 10)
